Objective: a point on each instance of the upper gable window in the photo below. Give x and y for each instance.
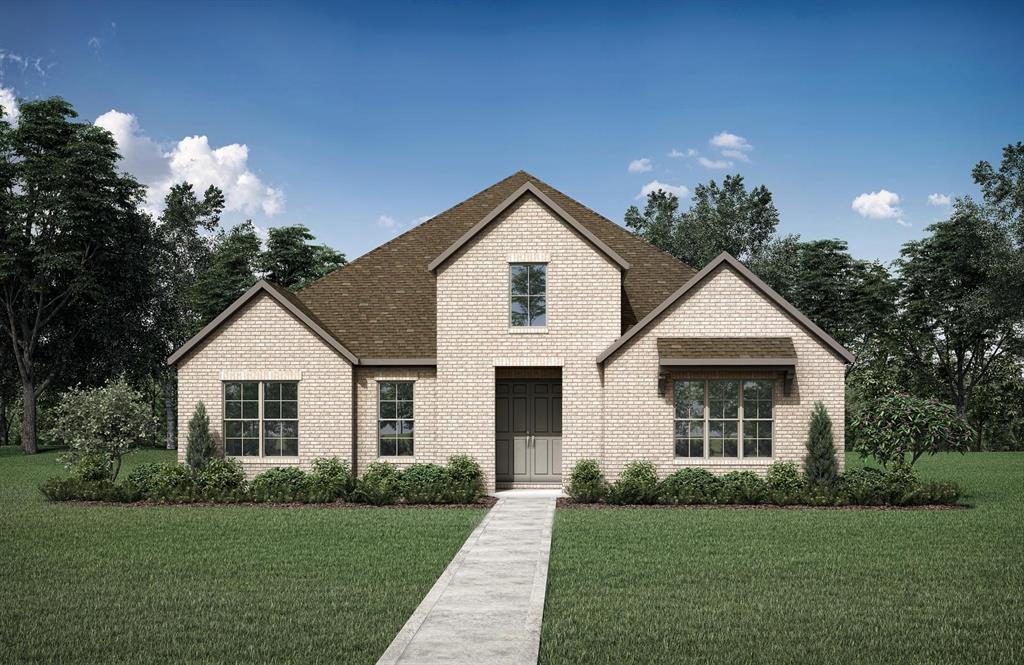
(528, 304)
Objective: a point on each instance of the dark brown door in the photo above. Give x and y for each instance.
(528, 430)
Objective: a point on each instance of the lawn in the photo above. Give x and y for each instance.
(90, 584)
(796, 586)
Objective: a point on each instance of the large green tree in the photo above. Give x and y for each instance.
(75, 253)
(1003, 189)
(293, 260)
(231, 271)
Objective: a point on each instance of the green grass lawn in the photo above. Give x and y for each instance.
(91, 584)
(796, 586)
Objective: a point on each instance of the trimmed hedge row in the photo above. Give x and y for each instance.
(784, 485)
(330, 480)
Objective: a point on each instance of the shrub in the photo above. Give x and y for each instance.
(638, 484)
(934, 492)
(424, 483)
(691, 486)
(786, 485)
(743, 487)
(894, 426)
(100, 426)
(330, 480)
(201, 448)
(286, 484)
(166, 481)
(379, 486)
(587, 483)
(221, 478)
(820, 463)
(76, 488)
(465, 480)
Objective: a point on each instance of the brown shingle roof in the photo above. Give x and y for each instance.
(732, 348)
(383, 304)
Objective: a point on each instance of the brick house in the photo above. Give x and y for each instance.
(526, 330)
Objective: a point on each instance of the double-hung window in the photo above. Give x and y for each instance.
(395, 421)
(261, 418)
(528, 295)
(712, 417)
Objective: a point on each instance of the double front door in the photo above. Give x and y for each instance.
(528, 430)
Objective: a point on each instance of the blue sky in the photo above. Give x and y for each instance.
(359, 120)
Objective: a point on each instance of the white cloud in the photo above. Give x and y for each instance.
(642, 165)
(882, 204)
(713, 163)
(194, 160)
(22, 62)
(737, 155)
(95, 43)
(690, 152)
(387, 222)
(727, 141)
(679, 190)
(10, 104)
(940, 200)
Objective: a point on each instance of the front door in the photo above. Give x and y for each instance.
(528, 431)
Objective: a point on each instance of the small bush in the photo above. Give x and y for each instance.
(424, 483)
(221, 478)
(587, 483)
(287, 484)
(330, 480)
(743, 487)
(166, 481)
(934, 492)
(90, 467)
(690, 486)
(786, 485)
(75, 488)
(379, 486)
(638, 484)
(201, 448)
(465, 480)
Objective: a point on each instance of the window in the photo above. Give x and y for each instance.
(395, 423)
(274, 428)
(528, 303)
(712, 417)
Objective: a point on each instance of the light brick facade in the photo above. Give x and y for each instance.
(612, 411)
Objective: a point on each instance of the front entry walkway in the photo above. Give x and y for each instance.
(488, 604)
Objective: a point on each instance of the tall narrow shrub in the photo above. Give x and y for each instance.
(201, 448)
(820, 463)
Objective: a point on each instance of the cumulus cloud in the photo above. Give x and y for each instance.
(642, 165)
(690, 152)
(736, 154)
(10, 104)
(654, 185)
(727, 141)
(194, 160)
(387, 222)
(882, 204)
(940, 200)
(713, 163)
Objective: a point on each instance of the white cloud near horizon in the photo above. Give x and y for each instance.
(194, 160)
(940, 200)
(882, 204)
(642, 165)
(679, 190)
(9, 102)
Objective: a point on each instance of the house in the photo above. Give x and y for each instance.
(524, 329)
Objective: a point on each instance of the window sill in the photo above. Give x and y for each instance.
(266, 459)
(535, 330)
(713, 461)
(396, 458)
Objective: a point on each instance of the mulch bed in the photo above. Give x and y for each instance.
(486, 502)
(569, 503)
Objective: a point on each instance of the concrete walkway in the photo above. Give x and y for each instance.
(488, 604)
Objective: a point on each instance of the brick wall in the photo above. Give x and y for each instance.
(638, 421)
(263, 341)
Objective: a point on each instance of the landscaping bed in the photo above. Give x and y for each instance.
(567, 502)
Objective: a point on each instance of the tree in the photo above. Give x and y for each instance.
(100, 426)
(820, 466)
(74, 253)
(894, 426)
(185, 243)
(291, 259)
(658, 222)
(961, 291)
(231, 272)
(201, 448)
(1003, 190)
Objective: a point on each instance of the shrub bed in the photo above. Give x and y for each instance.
(221, 480)
(784, 485)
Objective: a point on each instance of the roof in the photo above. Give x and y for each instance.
(287, 300)
(529, 188)
(383, 305)
(710, 351)
(726, 260)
